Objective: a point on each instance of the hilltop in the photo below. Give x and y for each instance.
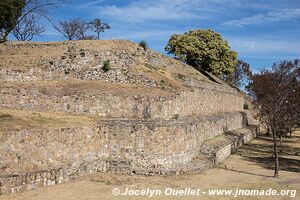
(130, 63)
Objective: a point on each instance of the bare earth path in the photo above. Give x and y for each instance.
(251, 167)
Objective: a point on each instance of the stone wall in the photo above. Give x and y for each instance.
(205, 100)
(80, 64)
(51, 156)
(160, 131)
(95, 73)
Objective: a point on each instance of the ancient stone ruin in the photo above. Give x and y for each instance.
(63, 116)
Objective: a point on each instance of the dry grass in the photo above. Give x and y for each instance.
(242, 170)
(20, 120)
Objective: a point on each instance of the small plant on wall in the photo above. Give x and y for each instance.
(106, 66)
(176, 116)
(246, 106)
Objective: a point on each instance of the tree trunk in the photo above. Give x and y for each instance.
(3, 37)
(268, 131)
(281, 139)
(276, 172)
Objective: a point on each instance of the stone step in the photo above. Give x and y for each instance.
(215, 150)
(221, 146)
(198, 164)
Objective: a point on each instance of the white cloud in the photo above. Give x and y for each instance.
(138, 34)
(150, 34)
(89, 4)
(140, 11)
(261, 46)
(273, 16)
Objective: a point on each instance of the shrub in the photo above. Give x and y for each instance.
(176, 116)
(181, 76)
(67, 71)
(106, 66)
(5, 116)
(143, 44)
(162, 82)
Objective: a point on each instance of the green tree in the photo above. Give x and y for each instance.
(204, 50)
(10, 12)
(98, 27)
(14, 12)
(143, 44)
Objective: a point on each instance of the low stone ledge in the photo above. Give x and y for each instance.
(224, 145)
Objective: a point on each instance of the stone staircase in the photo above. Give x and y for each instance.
(215, 150)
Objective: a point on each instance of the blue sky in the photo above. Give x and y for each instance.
(261, 31)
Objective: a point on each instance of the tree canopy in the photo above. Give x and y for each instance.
(98, 26)
(276, 92)
(10, 11)
(21, 13)
(27, 28)
(78, 29)
(204, 50)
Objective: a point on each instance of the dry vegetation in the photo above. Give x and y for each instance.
(20, 120)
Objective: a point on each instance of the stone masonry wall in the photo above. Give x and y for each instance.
(205, 100)
(33, 158)
(87, 65)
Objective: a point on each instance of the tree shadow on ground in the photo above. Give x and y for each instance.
(249, 173)
(262, 154)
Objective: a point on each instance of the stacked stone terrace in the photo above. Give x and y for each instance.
(62, 116)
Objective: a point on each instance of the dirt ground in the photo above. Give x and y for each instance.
(251, 167)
